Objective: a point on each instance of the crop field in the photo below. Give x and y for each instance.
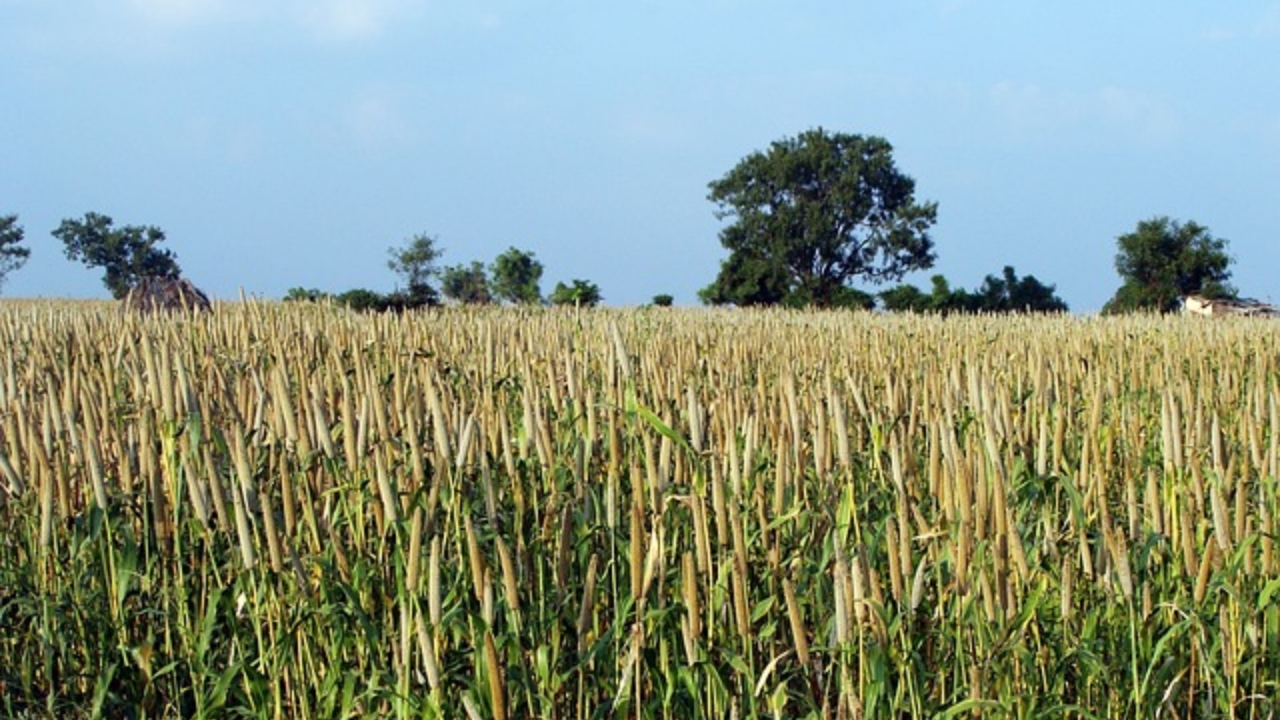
(292, 511)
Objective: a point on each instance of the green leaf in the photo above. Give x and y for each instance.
(739, 665)
(970, 705)
(1269, 591)
(761, 609)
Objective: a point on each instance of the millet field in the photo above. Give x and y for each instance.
(289, 510)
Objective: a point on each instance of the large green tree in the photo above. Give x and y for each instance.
(126, 254)
(516, 275)
(812, 214)
(415, 263)
(466, 284)
(1164, 260)
(12, 254)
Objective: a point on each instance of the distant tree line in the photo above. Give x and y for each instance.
(808, 218)
(813, 214)
(128, 254)
(1004, 293)
(514, 277)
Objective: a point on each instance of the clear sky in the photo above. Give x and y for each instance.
(284, 143)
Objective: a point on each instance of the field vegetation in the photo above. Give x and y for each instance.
(294, 511)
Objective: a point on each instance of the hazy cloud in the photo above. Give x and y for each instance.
(329, 20)
(488, 19)
(649, 128)
(178, 12)
(1143, 115)
(351, 19)
(1219, 33)
(1271, 135)
(1265, 24)
(205, 135)
(1268, 23)
(1109, 110)
(189, 13)
(376, 121)
(952, 7)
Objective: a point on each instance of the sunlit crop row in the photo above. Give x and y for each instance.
(295, 511)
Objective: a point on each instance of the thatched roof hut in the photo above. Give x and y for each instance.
(1197, 305)
(165, 294)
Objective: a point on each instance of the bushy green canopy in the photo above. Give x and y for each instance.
(126, 254)
(12, 254)
(813, 213)
(1164, 260)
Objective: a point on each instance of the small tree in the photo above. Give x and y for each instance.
(516, 275)
(1163, 261)
(1010, 293)
(364, 300)
(12, 255)
(301, 294)
(662, 300)
(464, 284)
(581, 293)
(415, 262)
(905, 298)
(126, 254)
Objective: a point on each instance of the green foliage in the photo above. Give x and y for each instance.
(465, 284)
(12, 255)
(1010, 293)
(516, 275)
(662, 300)
(843, 297)
(945, 300)
(415, 262)
(301, 294)
(126, 254)
(581, 293)
(364, 300)
(812, 214)
(1163, 261)
(1004, 293)
(413, 581)
(906, 298)
(746, 278)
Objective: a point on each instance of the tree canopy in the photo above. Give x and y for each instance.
(813, 213)
(1003, 293)
(304, 294)
(582, 293)
(126, 254)
(1009, 293)
(908, 298)
(415, 262)
(1164, 260)
(12, 254)
(516, 275)
(466, 284)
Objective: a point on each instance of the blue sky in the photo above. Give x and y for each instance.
(290, 143)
